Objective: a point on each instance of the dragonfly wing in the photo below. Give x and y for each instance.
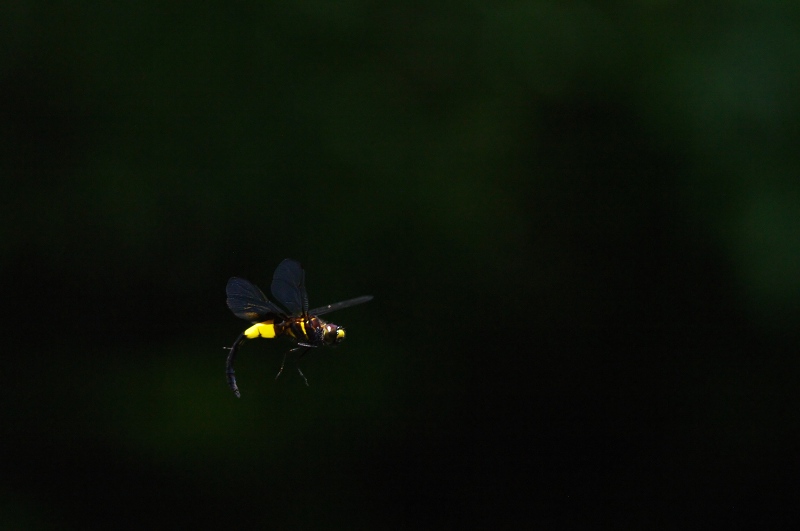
(289, 287)
(340, 305)
(247, 302)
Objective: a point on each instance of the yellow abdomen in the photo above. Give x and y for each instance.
(265, 329)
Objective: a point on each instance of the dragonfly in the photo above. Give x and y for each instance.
(286, 315)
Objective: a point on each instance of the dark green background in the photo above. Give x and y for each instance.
(580, 222)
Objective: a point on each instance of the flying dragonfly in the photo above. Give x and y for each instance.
(287, 316)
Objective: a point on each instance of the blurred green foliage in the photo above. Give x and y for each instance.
(579, 220)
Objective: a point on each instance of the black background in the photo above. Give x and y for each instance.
(579, 222)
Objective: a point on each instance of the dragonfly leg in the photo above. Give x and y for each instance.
(297, 364)
(305, 348)
(282, 363)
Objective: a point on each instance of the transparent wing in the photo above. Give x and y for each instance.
(339, 305)
(289, 287)
(246, 301)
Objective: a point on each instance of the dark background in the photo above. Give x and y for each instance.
(580, 222)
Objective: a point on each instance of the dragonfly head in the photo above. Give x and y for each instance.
(332, 334)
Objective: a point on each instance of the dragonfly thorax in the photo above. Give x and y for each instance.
(313, 330)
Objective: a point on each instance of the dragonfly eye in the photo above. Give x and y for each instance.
(333, 334)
